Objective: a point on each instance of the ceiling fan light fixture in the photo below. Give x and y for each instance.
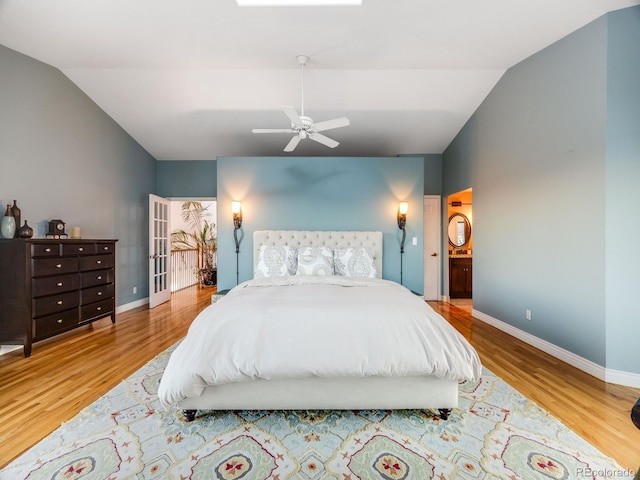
(298, 3)
(302, 126)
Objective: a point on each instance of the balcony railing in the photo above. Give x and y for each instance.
(184, 267)
(185, 264)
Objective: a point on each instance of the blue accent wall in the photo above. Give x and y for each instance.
(63, 157)
(553, 156)
(324, 193)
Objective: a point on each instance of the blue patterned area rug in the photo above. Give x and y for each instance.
(495, 434)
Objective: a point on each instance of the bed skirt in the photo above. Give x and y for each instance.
(316, 393)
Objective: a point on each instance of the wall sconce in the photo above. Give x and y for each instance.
(236, 209)
(403, 208)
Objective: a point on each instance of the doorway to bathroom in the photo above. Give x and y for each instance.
(460, 248)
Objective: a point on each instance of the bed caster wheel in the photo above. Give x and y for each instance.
(635, 414)
(189, 415)
(444, 413)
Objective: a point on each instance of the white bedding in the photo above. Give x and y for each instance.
(315, 326)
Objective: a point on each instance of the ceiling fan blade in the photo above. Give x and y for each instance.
(293, 143)
(318, 137)
(293, 115)
(273, 130)
(329, 124)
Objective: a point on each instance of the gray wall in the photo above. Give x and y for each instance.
(539, 155)
(187, 178)
(622, 192)
(62, 157)
(323, 193)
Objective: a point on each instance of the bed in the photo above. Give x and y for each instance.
(310, 333)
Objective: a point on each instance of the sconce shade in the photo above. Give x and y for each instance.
(236, 209)
(403, 208)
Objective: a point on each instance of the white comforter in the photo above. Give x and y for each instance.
(300, 326)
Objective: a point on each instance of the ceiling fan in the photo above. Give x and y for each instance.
(303, 126)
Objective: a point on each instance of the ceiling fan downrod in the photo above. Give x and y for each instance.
(302, 60)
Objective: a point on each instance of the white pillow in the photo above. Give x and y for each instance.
(276, 261)
(354, 262)
(315, 261)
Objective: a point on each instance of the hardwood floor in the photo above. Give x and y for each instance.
(69, 372)
(597, 411)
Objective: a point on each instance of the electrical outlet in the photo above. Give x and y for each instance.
(415, 240)
(527, 314)
(135, 290)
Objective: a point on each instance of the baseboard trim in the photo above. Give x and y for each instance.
(619, 377)
(132, 305)
(607, 375)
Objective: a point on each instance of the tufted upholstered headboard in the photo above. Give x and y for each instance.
(310, 238)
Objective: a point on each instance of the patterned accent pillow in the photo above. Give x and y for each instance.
(315, 261)
(354, 262)
(276, 261)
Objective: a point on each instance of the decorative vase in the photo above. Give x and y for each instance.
(8, 224)
(25, 231)
(15, 211)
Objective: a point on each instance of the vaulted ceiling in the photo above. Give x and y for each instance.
(189, 79)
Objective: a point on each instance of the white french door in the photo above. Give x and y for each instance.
(159, 250)
(432, 247)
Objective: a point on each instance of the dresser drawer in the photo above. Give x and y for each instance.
(78, 249)
(105, 248)
(46, 326)
(54, 266)
(51, 285)
(96, 277)
(97, 309)
(45, 249)
(96, 262)
(55, 303)
(95, 294)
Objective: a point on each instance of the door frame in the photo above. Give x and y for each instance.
(435, 201)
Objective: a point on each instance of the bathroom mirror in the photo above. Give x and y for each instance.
(459, 230)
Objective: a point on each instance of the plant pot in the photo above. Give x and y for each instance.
(208, 277)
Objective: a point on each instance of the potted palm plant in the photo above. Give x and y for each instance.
(201, 237)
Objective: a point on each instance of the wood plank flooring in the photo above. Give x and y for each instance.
(65, 374)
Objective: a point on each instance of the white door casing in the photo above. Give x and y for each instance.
(159, 250)
(432, 246)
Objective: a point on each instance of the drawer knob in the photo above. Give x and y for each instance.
(59, 320)
(58, 265)
(98, 262)
(99, 277)
(47, 249)
(99, 308)
(80, 249)
(99, 293)
(59, 284)
(105, 248)
(59, 302)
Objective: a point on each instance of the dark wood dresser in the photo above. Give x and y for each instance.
(50, 286)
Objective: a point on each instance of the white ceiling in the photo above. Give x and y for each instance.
(189, 79)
